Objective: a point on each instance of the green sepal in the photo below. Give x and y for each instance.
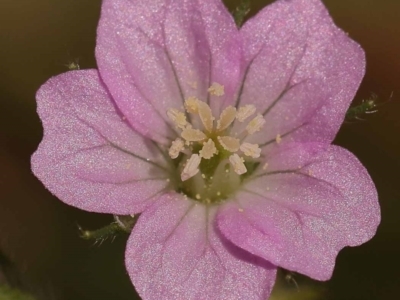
(367, 106)
(122, 224)
(241, 12)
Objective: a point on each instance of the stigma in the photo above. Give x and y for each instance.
(216, 141)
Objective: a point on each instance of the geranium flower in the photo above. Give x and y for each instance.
(220, 138)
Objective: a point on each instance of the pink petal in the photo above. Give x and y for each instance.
(151, 55)
(174, 252)
(300, 218)
(302, 71)
(204, 45)
(89, 157)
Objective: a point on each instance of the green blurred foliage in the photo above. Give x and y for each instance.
(7, 293)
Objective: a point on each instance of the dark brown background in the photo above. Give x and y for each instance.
(39, 245)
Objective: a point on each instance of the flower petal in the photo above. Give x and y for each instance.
(302, 71)
(174, 252)
(89, 157)
(204, 45)
(299, 218)
(154, 54)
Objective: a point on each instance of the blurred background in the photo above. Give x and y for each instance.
(40, 250)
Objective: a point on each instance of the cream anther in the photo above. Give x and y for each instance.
(255, 124)
(278, 139)
(191, 105)
(208, 149)
(216, 89)
(177, 146)
(191, 168)
(237, 164)
(193, 84)
(193, 135)
(229, 143)
(206, 115)
(244, 112)
(251, 150)
(226, 118)
(177, 117)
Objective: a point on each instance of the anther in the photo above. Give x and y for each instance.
(177, 146)
(237, 164)
(256, 124)
(226, 118)
(205, 115)
(216, 89)
(193, 135)
(191, 105)
(278, 139)
(208, 149)
(229, 143)
(177, 117)
(193, 84)
(191, 168)
(244, 112)
(251, 150)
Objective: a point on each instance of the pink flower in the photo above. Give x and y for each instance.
(219, 137)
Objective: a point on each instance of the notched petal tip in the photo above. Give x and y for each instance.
(187, 258)
(318, 76)
(87, 152)
(299, 218)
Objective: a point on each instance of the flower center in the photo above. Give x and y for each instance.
(212, 156)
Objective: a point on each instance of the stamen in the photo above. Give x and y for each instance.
(191, 105)
(177, 117)
(244, 112)
(237, 164)
(193, 135)
(208, 149)
(226, 118)
(177, 146)
(229, 143)
(215, 141)
(191, 168)
(251, 150)
(205, 115)
(216, 89)
(255, 124)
